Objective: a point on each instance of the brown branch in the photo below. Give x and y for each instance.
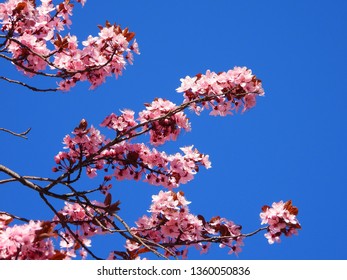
(15, 217)
(20, 179)
(22, 134)
(27, 86)
(14, 61)
(214, 239)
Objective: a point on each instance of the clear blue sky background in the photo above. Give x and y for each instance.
(292, 145)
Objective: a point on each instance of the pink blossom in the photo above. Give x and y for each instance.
(221, 92)
(281, 218)
(20, 242)
(35, 43)
(171, 222)
(186, 84)
(131, 245)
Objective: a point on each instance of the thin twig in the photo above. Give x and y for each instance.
(22, 134)
(15, 217)
(26, 85)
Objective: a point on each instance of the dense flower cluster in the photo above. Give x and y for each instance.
(172, 224)
(223, 92)
(35, 240)
(128, 160)
(89, 223)
(27, 241)
(165, 129)
(164, 121)
(33, 38)
(281, 218)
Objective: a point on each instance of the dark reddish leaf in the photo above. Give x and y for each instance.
(61, 7)
(297, 226)
(125, 31)
(77, 246)
(20, 7)
(224, 231)
(142, 250)
(58, 255)
(83, 124)
(181, 193)
(108, 199)
(132, 158)
(46, 231)
(118, 29)
(202, 219)
(129, 36)
(33, 3)
(264, 208)
(215, 218)
(114, 207)
(292, 209)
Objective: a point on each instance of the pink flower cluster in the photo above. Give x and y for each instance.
(35, 240)
(121, 124)
(281, 218)
(23, 242)
(130, 160)
(223, 92)
(85, 226)
(171, 224)
(35, 43)
(164, 129)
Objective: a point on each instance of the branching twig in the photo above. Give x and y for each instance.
(22, 134)
(65, 225)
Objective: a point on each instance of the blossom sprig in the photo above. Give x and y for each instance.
(162, 129)
(222, 92)
(172, 226)
(29, 241)
(73, 227)
(33, 36)
(164, 121)
(282, 220)
(125, 160)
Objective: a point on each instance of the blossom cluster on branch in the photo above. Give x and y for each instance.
(172, 225)
(38, 239)
(223, 92)
(281, 218)
(33, 37)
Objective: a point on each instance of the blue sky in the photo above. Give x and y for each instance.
(290, 146)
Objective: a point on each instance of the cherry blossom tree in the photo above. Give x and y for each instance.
(32, 40)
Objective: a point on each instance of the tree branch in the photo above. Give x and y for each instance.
(22, 134)
(26, 85)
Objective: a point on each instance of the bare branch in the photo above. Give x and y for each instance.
(19, 178)
(26, 85)
(22, 134)
(15, 217)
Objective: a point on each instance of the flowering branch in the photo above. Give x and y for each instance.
(169, 230)
(33, 48)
